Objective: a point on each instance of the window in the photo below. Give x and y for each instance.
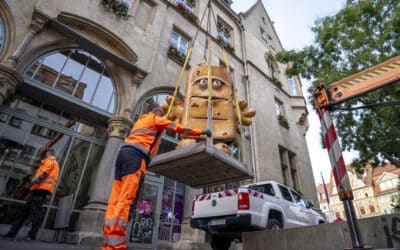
(372, 209)
(42, 131)
(388, 184)
(285, 193)
(3, 117)
(269, 40)
(289, 168)
(271, 70)
(224, 32)
(144, 13)
(262, 32)
(269, 189)
(280, 112)
(188, 4)
(293, 171)
(15, 122)
(2, 34)
(228, 2)
(292, 87)
(28, 154)
(76, 74)
(263, 20)
(284, 166)
(179, 42)
(297, 198)
(127, 2)
(171, 214)
(266, 189)
(362, 210)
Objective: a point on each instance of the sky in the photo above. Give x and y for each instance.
(293, 20)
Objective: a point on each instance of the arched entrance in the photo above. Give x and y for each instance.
(64, 103)
(159, 212)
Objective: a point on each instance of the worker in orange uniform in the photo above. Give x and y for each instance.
(41, 186)
(130, 169)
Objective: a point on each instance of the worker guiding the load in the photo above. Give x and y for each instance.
(130, 169)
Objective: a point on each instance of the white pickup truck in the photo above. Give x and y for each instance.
(264, 205)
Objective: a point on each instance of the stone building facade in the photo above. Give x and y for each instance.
(74, 75)
(373, 193)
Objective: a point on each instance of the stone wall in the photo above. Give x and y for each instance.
(377, 232)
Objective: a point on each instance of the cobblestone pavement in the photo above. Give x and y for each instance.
(12, 244)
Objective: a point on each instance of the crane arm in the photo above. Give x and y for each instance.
(358, 84)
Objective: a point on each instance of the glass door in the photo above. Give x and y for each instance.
(142, 230)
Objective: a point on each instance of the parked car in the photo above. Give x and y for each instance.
(263, 205)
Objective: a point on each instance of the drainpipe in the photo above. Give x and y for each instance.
(247, 92)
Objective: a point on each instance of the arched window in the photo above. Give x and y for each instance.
(76, 74)
(2, 34)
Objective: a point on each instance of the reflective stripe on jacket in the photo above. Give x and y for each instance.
(145, 130)
(49, 166)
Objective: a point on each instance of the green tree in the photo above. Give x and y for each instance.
(362, 34)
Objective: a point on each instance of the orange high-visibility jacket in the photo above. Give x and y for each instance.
(144, 132)
(49, 165)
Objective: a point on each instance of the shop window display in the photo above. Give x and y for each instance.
(171, 210)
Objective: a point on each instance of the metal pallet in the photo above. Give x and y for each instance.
(199, 165)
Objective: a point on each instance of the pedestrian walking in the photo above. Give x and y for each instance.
(41, 186)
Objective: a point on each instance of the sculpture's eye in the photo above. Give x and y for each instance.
(203, 83)
(217, 84)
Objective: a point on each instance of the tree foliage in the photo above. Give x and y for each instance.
(362, 34)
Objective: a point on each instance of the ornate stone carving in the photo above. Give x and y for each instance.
(139, 76)
(9, 80)
(38, 22)
(119, 126)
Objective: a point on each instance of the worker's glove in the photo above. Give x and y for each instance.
(206, 132)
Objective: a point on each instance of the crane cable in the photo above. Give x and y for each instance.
(207, 46)
(226, 62)
(188, 54)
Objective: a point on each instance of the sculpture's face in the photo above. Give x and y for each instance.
(196, 100)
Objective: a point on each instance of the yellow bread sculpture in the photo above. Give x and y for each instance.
(196, 101)
(193, 111)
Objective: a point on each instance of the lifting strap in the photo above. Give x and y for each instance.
(188, 54)
(208, 47)
(235, 99)
(225, 57)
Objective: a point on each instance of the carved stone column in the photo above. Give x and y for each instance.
(9, 80)
(139, 77)
(89, 228)
(9, 77)
(38, 22)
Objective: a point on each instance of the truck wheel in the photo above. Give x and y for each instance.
(274, 224)
(220, 243)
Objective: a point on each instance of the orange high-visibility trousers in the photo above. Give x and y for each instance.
(130, 169)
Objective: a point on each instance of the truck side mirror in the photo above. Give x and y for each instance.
(309, 204)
